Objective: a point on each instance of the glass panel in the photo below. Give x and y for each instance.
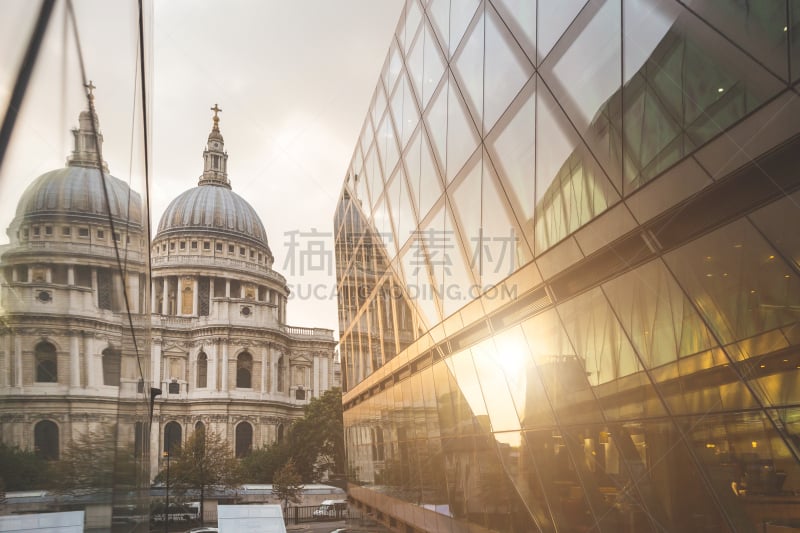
(393, 67)
(794, 36)
(413, 16)
(737, 281)
(436, 122)
(760, 29)
(598, 338)
(461, 13)
(561, 371)
(683, 86)
(774, 219)
(403, 215)
(462, 138)
(439, 14)
(439, 247)
(434, 67)
(661, 322)
(589, 90)
(520, 16)
(571, 189)
(554, 18)
(513, 151)
(386, 141)
(378, 105)
(459, 287)
(468, 67)
(506, 69)
(503, 249)
(747, 463)
(463, 200)
(462, 368)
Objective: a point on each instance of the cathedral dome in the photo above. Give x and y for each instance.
(77, 191)
(213, 209)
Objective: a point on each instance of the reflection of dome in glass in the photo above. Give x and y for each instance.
(78, 191)
(213, 209)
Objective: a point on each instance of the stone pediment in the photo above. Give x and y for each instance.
(300, 360)
(174, 349)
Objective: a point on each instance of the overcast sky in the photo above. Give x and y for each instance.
(294, 80)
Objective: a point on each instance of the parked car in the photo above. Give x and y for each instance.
(331, 509)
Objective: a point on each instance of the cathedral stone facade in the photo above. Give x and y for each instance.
(82, 338)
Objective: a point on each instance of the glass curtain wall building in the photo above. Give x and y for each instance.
(567, 267)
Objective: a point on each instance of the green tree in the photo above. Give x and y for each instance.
(260, 465)
(317, 440)
(93, 463)
(287, 485)
(22, 469)
(204, 460)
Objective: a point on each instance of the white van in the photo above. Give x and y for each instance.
(331, 509)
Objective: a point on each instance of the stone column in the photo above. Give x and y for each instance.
(264, 363)
(179, 299)
(315, 371)
(324, 382)
(227, 288)
(195, 298)
(5, 368)
(155, 365)
(89, 359)
(213, 355)
(17, 361)
(224, 373)
(153, 300)
(71, 275)
(95, 294)
(273, 382)
(165, 297)
(74, 361)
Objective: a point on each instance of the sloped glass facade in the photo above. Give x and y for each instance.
(567, 267)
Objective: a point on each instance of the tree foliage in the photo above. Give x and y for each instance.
(93, 463)
(316, 441)
(22, 469)
(287, 484)
(260, 465)
(204, 460)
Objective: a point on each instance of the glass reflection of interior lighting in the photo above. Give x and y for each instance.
(710, 445)
(754, 444)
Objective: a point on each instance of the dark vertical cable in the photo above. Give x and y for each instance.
(24, 75)
(143, 81)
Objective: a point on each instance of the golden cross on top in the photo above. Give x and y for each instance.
(216, 109)
(91, 87)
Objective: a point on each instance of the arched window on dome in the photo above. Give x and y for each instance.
(244, 439)
(111, 367)
(46, 363)
(199, 427)
(45, 440)
(202, 370)
(244, 371)
(281, 374)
